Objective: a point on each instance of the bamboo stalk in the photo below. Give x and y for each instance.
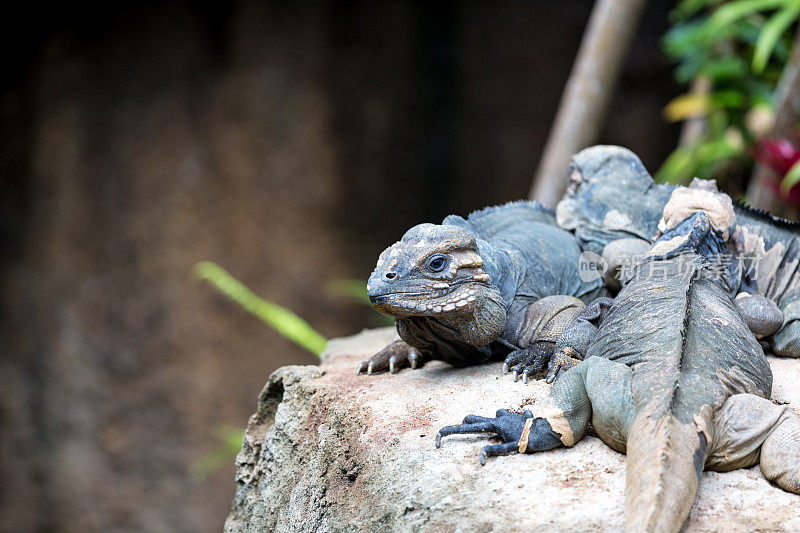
(584, 103)
(693, 129)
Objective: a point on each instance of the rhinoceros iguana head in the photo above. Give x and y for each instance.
(610, 196)
(433, 270)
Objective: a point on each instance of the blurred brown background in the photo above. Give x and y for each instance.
(290, 143)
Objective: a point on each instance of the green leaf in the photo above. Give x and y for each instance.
(771, 33)
(688, 70)
(731, 99)
(683, 39)
(230, 435)
(748, 31)
(692, 105)
(791, 178)
(356, 291)
(695, 38)
(730, 12)
(677, 168)
(279, 318)
(728, 68)
(759, 90)
(716, 150)
(687, 8)
(687, 162)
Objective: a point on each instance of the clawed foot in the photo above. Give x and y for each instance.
(561, 361)
(506, 425)
(395, 356)
(528, 361)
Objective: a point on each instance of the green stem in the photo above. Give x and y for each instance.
(279, 318)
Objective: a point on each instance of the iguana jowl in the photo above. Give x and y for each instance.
(503, 279)
(674, 378)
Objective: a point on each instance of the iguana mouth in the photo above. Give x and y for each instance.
(436, 292)
(384, 298)
(456, 296)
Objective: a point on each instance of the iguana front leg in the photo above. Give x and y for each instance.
(528, 361)
(533, 339)
(520, 433)
(574, 342)
(422, 341)
(597, 390)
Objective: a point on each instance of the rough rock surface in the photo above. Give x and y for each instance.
(331, 451)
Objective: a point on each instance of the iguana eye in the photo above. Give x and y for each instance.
(437, 263)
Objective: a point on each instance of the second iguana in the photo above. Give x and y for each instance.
(611, 197)
(673, 377)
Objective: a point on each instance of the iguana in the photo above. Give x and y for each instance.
(613, 206)
(503, 280)
(611, 196)
(673, 377)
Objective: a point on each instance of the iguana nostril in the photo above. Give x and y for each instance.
(390, 276)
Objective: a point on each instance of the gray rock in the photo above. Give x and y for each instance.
(328, 450)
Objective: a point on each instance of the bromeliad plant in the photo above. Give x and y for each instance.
(732, 54)
(783, 157)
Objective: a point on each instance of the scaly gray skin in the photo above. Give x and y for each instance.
(674, 378)
(611, 196)
(776, 274)
(472, 289)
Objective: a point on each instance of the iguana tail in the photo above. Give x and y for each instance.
(666, 456)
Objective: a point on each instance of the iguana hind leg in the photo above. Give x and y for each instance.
(780, 454)
(751, 429)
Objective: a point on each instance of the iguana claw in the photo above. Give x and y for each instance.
(562, 361)
(414, 358)
(528, 361)
(393, 358)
